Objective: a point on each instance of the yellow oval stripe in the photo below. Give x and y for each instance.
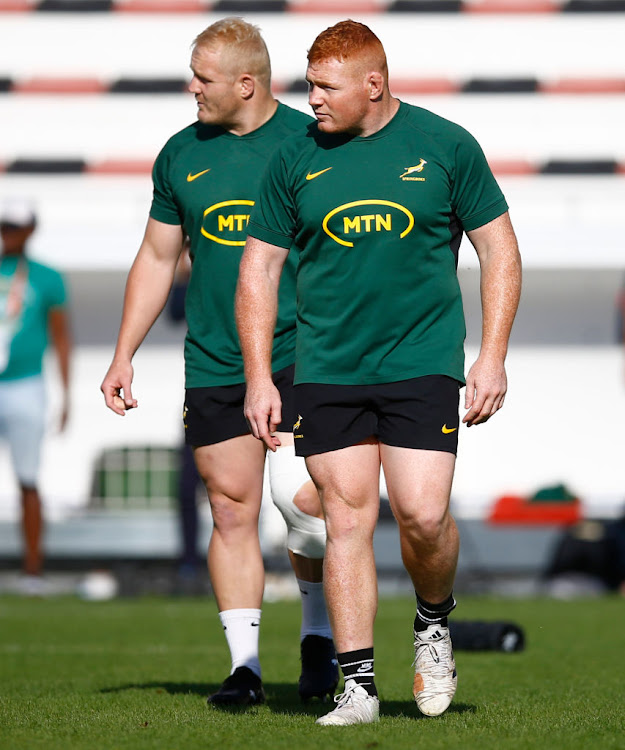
(366, 203)
(214, 207)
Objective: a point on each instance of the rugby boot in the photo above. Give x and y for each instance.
(242, 688)
(435, 677)
(354, 706)
(320, 668)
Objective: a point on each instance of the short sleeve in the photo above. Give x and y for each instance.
(56, 289)
(163, 206)
(476, 197)
(273, 217)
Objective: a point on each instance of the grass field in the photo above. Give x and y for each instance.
(135, 673)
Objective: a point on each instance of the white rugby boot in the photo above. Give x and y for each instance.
(354, 706)
(435, 677)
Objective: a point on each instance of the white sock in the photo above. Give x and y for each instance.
(241, 627)
(314, 613)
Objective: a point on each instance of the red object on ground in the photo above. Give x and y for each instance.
(511, 509)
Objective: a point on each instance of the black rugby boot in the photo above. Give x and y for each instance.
(242, 688)
(320, 668)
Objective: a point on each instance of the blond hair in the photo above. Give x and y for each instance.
(245, 49)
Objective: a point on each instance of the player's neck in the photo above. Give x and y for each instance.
(381, 114)
(257, 112)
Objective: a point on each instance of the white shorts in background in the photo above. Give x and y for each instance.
(22, 424)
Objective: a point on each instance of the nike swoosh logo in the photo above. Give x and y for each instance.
(255, 624)
(312, 175)
(446, 430)
(191, 177)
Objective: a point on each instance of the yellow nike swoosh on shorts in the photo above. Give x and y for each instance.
(312, 175)
(191, 177)
(446, 430)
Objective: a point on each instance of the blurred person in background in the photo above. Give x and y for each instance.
(376, 197)
(33, 309)
(205, 181)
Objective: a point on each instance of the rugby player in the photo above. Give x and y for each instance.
(375, 196)
(205, 182)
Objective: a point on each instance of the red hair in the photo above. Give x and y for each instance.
(347, 40)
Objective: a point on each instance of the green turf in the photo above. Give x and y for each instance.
(135, 673)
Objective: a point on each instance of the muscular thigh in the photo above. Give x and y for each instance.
(233, 468)
(348, 478)
(418, 481)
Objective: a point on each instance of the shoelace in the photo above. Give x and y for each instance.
(440, 668)
(342, 699)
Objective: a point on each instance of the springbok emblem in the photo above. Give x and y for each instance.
(417, 168)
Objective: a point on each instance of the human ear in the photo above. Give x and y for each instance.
(375, 84)
(246, 86)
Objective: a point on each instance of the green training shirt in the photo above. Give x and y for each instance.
(377, 222)
(28, 292)
(206, 179)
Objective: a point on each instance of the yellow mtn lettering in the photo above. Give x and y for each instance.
(367, 223)
(229, 222)
(343, 224)
(226, 222)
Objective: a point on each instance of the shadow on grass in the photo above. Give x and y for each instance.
(282, 698)
(409, 710)
(173, 688)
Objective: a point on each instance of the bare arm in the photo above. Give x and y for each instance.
(147, 288)
(58, 322)
(176, 301)
(256, 309)
(500, 287)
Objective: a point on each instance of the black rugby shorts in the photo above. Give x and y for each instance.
(212, 415)
(419, 413)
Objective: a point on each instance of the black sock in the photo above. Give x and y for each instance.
(433, 614)
(358, 666)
